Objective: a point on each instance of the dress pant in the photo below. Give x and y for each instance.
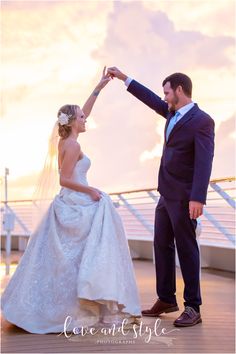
(172, 222)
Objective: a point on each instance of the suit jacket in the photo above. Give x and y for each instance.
(186, 161)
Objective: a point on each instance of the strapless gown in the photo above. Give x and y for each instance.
(77, 263)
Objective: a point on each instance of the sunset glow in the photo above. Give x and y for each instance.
(53, 53)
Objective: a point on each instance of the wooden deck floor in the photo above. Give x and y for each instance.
(214, 335)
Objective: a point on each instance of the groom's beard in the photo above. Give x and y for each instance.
(175, 101)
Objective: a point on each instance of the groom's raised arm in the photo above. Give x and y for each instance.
(148, 97)
(141, 92)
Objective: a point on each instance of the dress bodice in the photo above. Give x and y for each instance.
(80, 171)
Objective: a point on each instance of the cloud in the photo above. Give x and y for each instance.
(153, 39)
(45, 40)
(200, 15)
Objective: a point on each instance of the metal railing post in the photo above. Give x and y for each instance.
(218, 226)
(223, 194)
(138, 216)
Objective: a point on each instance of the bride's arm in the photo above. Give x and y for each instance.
(72, 154)
(92, 98)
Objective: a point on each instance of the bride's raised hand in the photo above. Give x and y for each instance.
(87, 108)
(106, 77)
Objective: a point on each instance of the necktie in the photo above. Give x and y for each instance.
(171, 124)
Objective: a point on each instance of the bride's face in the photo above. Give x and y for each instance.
(79, 122)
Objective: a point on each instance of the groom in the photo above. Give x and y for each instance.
(183, 181)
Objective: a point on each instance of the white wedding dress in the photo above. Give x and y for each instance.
(76, 264)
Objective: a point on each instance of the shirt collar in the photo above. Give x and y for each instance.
(183, 110)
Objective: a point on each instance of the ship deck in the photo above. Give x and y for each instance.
(214, 335)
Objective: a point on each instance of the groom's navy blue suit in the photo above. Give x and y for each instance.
(183, 176)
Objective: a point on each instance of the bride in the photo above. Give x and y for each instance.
(77, 263)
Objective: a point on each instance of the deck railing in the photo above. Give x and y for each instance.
(137, 208)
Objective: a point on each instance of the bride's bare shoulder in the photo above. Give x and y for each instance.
(67, 144)
(68, 147)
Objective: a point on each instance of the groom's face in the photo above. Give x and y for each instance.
(171, 97)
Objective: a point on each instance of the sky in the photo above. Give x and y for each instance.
(53, 53)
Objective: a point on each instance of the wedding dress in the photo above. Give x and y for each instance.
(77, 263)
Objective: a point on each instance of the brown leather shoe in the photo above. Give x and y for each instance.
(160, 307)
(189, 317)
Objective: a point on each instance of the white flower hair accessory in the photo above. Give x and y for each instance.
(63, 118)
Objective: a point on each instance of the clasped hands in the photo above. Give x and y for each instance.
(108, 74)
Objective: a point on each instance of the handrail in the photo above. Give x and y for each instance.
(226, 179)
(136, 207)
(215, 180)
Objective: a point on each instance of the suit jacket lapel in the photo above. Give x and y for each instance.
(189, 115)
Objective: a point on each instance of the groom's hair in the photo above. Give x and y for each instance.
(179, 79)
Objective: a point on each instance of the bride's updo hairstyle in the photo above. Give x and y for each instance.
(69, 110)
